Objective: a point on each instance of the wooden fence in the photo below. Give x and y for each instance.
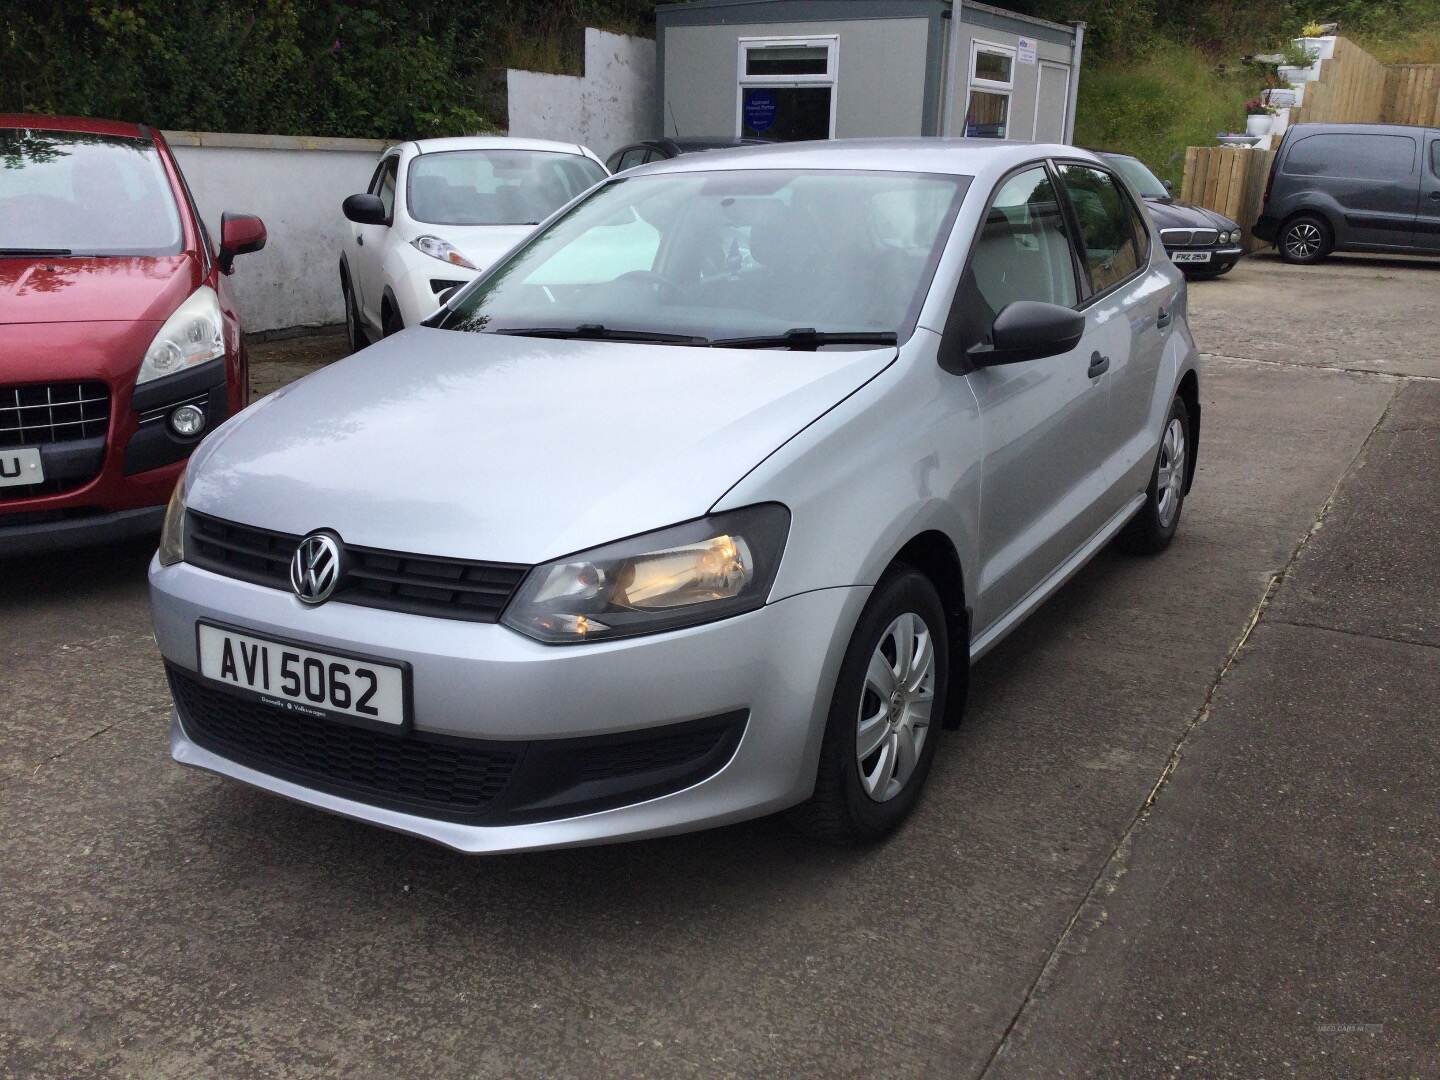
(1230, 181)
(1412, 95)
(1350, 90)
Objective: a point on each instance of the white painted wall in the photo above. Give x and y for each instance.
(296, 186)
(612, 104)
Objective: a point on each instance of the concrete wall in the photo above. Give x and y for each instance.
(880, 74)
(296, 185)
(613, 103)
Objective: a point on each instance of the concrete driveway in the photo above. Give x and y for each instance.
(1189, 826)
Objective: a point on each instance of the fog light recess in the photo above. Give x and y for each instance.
(187, 421)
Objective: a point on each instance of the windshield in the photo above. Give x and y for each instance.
(1142, 179)
(727, 255)
(73, 193)
(496, 187)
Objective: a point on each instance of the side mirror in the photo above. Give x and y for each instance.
(1029, 330)
(1168, 186)
(364, 210)
(239, 235)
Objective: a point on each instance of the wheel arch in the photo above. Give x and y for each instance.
(1189, 392)
(933, 554)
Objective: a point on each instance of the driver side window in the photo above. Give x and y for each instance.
(1021, 253)
(383, 184)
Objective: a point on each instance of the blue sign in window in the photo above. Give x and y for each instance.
(759, 110)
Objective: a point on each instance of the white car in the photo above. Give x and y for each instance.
(439, 211)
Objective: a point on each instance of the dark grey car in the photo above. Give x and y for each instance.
(1353, 187)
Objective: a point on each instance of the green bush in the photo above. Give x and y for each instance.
(368, 68)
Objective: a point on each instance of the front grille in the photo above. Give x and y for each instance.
(395, 581)
(53, 413)
(472, 781)
(1179, 238)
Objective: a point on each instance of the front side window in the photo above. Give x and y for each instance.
(496, 187)
(727, 254)
(1022, 253)
(67, 192)
(1106, 226)
(385, 184)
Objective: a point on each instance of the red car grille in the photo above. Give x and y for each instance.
(53, 413)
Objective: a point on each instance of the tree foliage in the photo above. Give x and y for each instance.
(376, 68)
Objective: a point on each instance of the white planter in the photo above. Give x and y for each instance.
(1281, 97)
(1258, 125)
(1322, 48)
(1297, 76)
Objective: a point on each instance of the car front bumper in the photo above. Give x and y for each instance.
(1221, 258)
(484, 682)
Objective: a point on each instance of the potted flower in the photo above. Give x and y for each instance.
(1257, 117)
(1300, 66)
(1318, 39)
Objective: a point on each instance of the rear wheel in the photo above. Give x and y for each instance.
(885, 717)
(1305, 239)
(1153, 527)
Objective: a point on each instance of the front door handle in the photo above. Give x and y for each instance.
(360, 240)
(1098, 365)
(1163, 319)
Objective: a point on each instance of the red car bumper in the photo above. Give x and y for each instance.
(109, 458)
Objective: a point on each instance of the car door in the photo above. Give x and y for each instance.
(1128, 317)
(1427, 220)
(367, 256)
(1370, 180)
(1044, 422)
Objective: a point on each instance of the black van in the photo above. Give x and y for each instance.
(1353, 187)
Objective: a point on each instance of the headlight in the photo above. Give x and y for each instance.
(443, 250)
(172, 535)
(194, 334)
(702, 570)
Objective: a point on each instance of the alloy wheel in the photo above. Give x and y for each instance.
(1170, 479)
(895, 706)
(1303, 240)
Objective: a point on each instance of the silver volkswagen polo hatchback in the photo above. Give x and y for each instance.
(697, 506)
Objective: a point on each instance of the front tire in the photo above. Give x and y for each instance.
(1153, 526)
(885, 717)
(1305, 240)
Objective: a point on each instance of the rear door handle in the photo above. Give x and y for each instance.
(1163, 319)
(1435, 195)
(360, 240)
(1098, 365)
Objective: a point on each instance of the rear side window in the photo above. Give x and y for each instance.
(1107, 224)
(1022, 252)
(1353, 157)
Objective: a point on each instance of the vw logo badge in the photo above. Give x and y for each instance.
(315, 568)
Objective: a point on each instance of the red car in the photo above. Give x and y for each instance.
(120, 347)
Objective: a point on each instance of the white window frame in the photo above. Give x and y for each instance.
(991, 86)
(831, 77)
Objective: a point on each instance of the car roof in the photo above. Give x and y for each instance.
(981, 158)
(88, 125)
(494, 142)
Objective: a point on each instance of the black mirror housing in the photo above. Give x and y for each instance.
(365, 209)
(1029, 330)
(1169, 187)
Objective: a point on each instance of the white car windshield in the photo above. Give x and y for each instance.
(75, 193)
(495, 187)
(706, 256)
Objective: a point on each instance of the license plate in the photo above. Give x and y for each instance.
(1190, 256)
(19, 467)
(306, 681)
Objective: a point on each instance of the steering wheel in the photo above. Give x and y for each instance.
(664, 288)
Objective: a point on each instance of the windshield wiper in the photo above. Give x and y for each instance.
(596, 332)
(34, 253)
(808, 339)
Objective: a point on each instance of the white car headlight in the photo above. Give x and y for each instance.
(194, 334)
(702, 570)
(172, 534)
(443, 250)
